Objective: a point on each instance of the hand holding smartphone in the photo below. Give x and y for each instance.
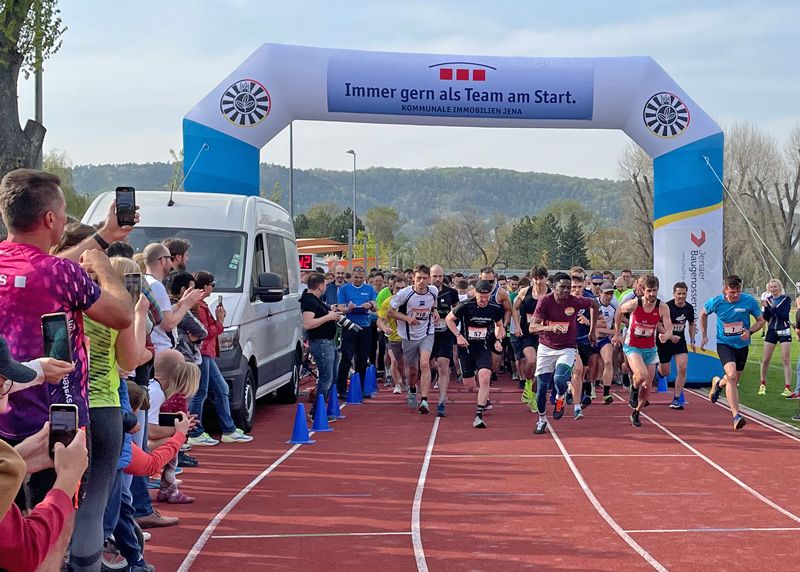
(63, 425)
(126, 206)
(55, 331)
(168, 419)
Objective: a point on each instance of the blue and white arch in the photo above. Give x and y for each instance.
(280, 83)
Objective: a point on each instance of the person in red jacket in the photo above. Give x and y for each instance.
(211, 380)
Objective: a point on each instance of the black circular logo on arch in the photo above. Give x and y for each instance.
(245, 103)
(666, 115)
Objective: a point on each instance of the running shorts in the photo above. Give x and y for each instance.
(413, 348)
(443, 343)
(547, 358)
(584, 351)
(649, 356)
(778, 336)
(397, 350)
(668, 350)
(728, 354)
(473, 359)
(519, 343)
(602, 342)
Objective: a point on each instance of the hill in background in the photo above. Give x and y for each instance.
(417, 194)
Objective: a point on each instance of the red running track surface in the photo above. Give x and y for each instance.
(683, 492)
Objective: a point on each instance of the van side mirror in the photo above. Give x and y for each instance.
(270, 287)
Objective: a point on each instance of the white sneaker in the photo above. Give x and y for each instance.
(146, 535)
(237, 436)
(478, 423)
(204, 440)
(397, 389)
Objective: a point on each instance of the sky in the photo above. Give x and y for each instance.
(128, 72)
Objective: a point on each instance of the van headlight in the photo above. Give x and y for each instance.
(229, 339)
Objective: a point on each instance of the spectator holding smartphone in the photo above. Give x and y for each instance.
(319, 322)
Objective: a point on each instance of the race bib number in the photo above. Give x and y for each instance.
(678, 328)
(421, 315)
(440, 326)
(477, 333)
(563, 327)
(786, 332)
(732, 328)
(641, 331)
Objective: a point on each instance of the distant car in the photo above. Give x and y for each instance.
(248, 244)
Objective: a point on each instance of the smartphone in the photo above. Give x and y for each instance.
(126, 206)
(55, 331)
(133, 284)
(168, 419)
(219, 301)
(63, 425)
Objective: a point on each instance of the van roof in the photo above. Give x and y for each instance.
(198, 210)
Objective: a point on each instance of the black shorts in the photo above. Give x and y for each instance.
(443, 343)
(585, 351)
(668, 350)
(474, 358)
(773, 337)
(519, 343)
(728, 354)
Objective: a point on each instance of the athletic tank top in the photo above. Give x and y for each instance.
(526, 309)
(643, 326)
(493, 297)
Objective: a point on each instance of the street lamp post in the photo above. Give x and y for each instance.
(353, 153)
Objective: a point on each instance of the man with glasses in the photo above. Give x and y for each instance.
(179, 256)
(357, 300)
(499, 296)
(331, 290)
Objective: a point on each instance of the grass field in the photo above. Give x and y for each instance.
(772, 403)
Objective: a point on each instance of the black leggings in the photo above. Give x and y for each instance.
(105, 433)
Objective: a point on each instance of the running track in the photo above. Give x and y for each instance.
(393, 490)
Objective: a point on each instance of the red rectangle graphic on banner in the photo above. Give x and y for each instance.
(445, 73)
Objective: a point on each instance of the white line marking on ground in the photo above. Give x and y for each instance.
(601, 511)
(673, 494)
(331, 495)
(702, 394)
(416, 533)
(310, 535)
(686, 530)
(209, 530)
(732, 477)
(557, 456)
(504, 494)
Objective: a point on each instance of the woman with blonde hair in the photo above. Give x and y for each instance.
(779, 331)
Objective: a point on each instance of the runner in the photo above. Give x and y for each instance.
(640, 341)
(681, 314)
(555, 321)
(516, 333)
(580, 389)
(525, 306)
(388, 326)
(733, 309)
(500, 297)
(605, 334)
(776, 309)
(444, 341)
(477, 342)
(414, 307)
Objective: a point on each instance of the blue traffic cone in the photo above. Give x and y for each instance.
(333, 405)
(300, 430)
(354, 391)
(662, 384)
(372, 381)
(321, 416)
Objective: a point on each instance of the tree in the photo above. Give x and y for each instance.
(276, 194)
(637, 201)
(58, 163)
(30, 32)
(343, 222)
(573, 244)
(607, 249)
(564, 209)
(176, 178)
(522, 248)
(383, 222)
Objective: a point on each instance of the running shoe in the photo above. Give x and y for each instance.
(786, 392)
(739, 422)
(634, 399)
(526, 391)
(794, 395)
(578, 414)
(185, 460)
(586, 401)
(541, 426)
(594, 393)
(796, 417)
(762, 389)
(412, 401)
(635, 419)
(397, 389)
(716, 389)
(478, 422)
(203, 440)
(558, 412)
(676, 404)
(424, 408)
(112, 559)
(388, 382)
(237, 436)
(146, 535)
(514, 376)
(488, 405)
(608, 399)
(440, 412)
(569, 398)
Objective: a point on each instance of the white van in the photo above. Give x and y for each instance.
(244, 242)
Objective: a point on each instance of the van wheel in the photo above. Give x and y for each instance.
(288, 393)
(243, 416)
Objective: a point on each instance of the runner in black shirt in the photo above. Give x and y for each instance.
(527, 343)
(477, 340)
(682, 316)
(443, 342)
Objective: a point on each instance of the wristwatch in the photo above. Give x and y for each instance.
(100, 240)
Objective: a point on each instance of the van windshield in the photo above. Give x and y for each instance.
(217, 251)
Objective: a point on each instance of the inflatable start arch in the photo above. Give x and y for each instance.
(277, 84)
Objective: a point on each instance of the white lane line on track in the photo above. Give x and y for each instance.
(557, 456)
(600, 510)
(309, 535)
(673, 494)
(209, 530)
(693, 530)
(416, 533)
(731, 476)
(331, 495)
(503, 494)
(704, 395)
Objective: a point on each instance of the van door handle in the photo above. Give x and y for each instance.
(269, 315)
